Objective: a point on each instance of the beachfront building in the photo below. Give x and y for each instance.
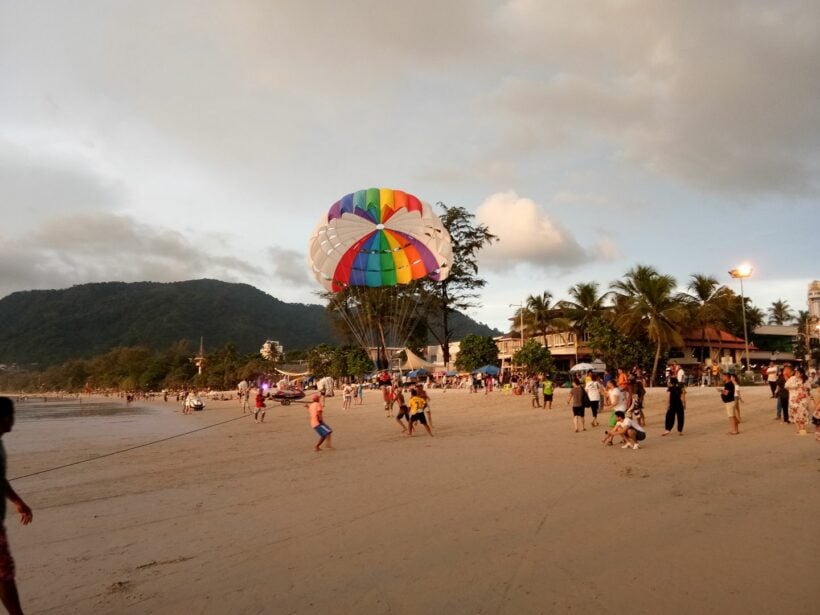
(774, 344)
(565, 347)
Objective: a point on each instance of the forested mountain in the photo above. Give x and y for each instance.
(51, 326)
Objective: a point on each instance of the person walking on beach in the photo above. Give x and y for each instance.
(549, 390)
(404, 410)
(675, 405)
(594, 392)
(799, 399)
(316, 411)
(347, 396)
(260, 407)
(535, 389)
(737, 397)
(727, 395)
(771, 378)
(781, 394)
(8, 586)
(576, 398)
(416, 405)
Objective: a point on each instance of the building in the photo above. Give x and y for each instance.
(814, 300)
(774, 343)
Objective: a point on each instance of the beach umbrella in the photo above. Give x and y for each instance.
(595, 366)
(492, 370)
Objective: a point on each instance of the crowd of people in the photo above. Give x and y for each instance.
(620, 394)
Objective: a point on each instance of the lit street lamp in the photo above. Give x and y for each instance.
(743, 271)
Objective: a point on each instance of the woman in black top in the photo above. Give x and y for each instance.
(676, 404)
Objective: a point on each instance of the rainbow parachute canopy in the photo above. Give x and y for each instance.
(379, 237)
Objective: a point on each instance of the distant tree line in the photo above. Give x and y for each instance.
(138, 368)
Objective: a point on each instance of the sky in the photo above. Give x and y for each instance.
(165, 141)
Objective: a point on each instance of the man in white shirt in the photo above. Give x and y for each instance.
(631, 433)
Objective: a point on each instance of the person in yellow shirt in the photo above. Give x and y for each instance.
(416, 405)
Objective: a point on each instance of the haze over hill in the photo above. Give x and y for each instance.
(52, 326)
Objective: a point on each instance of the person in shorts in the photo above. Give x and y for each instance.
(549, 389)
(259, 410)
(416, 407)
(576, 398)
(8, 586)
(316, 411)
(727, 395)
(404, 410)
(630, 431)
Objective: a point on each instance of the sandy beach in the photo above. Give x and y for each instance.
(506, 510)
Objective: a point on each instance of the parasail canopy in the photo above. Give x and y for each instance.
(379, 237)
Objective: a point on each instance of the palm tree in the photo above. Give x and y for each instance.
(780, 313)
(707, 303)
(542, 316)
(584, 306)
(651, 308)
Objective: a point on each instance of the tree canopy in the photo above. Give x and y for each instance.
(476, 351)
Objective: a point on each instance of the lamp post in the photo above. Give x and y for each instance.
(521, 314)
(743, 271)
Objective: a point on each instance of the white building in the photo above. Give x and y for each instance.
(814, 300)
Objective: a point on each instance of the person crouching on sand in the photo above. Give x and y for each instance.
(631, 433)
(416, 405)
(316, 412)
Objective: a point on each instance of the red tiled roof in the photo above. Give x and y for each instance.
(714, 337)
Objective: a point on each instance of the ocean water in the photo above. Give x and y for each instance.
(36, 408)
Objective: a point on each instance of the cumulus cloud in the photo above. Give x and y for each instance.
(527, 235)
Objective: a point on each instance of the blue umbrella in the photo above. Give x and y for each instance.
(488, 369)
(416, 373)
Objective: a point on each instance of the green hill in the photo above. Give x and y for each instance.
(51, 326)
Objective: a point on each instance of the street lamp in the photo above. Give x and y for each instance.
(743, 271)
(521, 313)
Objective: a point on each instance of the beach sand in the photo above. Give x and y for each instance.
(506, 510)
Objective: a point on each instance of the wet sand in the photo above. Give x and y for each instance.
(506, 510)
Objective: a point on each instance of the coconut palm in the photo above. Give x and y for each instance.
(584, 305)
(543, 316)
(780, 313)
(651, 307)
(707, 303)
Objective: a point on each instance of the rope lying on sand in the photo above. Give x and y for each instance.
(130, 448)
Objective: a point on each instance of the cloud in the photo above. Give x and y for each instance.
(290, 266)
(99, 246)
(719, 99)
(529, 236)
